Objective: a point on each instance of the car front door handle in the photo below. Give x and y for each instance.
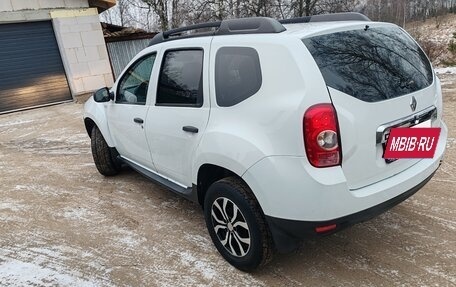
(190, 129)
(138, 120)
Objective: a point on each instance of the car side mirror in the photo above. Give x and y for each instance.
(103, 95)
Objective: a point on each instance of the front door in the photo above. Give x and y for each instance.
(127, 115)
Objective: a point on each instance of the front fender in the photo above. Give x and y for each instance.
(96, 112)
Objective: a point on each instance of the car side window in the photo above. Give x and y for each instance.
(180, 82)
(237, 75)
(133, 86)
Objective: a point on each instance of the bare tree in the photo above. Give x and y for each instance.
(166, 14)
(160, 8)
(119, 15)
(303, 7)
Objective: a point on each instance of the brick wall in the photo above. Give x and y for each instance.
(83, 50)
(18, 5)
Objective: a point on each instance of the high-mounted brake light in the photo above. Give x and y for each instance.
(321, 136)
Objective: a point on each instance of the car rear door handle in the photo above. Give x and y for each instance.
(190, 129)
(138, 120)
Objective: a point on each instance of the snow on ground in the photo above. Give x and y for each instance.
(448, 70)
(63, 224)
(438, 31)
(19, 273)
(42, 266)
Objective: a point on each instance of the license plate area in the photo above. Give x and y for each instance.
(422, 119)
(425, 124)
(387, 160)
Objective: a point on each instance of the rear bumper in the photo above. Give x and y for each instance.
(290, 188)
(288, 233)
(296, 198)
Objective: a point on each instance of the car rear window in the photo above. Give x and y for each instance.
(372, 64)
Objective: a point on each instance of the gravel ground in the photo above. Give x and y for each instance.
(63, 224)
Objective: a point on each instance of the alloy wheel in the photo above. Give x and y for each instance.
(230, 227)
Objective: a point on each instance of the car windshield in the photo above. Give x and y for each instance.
(371, 64)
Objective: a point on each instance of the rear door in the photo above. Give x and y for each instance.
(377, 77)
(176, 121)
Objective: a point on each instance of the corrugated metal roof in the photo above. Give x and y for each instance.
(114, 33)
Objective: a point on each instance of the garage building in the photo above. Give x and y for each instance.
(51, 51)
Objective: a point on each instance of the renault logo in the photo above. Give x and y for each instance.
(413, 104)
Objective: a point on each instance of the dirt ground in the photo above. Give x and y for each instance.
(63, 224)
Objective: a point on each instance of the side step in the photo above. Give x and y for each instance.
(189, 193)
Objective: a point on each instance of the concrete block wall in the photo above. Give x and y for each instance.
(18, 5)
(83, 50)
(79, 35)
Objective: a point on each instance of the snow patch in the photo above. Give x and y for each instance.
(127, 238)
(201, 241)
(40, 189)
(50, 266)
(80, 214)
(8, 124)
(451, 142)
(206, 269)
(12, 206)
(17, 273)
(437, 271)
(449, 70)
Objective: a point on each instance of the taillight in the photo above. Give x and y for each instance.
(321, 136)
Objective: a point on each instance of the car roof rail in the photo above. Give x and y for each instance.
(346, 16)
(252, 25)
(178, 31)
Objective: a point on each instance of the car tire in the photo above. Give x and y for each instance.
(105, 158)
(236, 224)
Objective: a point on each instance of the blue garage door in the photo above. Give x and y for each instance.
(31, 69)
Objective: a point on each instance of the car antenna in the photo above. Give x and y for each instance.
(366, 28)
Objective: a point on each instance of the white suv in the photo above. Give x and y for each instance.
(277, 128)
